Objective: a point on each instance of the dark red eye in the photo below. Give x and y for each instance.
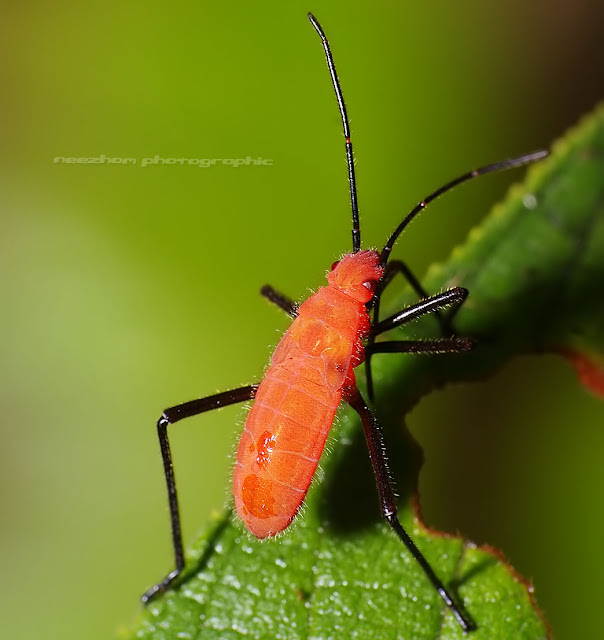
(370, 284)
(335, 264)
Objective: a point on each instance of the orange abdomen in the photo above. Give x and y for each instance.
(294, 408)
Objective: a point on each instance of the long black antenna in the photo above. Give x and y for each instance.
(356, 231)
(489, 168)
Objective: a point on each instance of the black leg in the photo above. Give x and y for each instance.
(170, 416)
(456, 295)
(392, 268)
(398, 266)
(440, 345)
(375, 442)
(283, 302)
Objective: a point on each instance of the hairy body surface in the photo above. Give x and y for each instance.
(296, 402)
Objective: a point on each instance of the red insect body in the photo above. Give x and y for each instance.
(311, 371)
(296, 402)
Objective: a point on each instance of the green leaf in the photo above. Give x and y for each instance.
(535, 270)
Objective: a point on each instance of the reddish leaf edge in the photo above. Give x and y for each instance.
(496, 554)
(589, 370)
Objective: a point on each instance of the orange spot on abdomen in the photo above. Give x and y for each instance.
(257, 495)
(265, 444)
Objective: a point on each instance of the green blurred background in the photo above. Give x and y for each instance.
(128, 289)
